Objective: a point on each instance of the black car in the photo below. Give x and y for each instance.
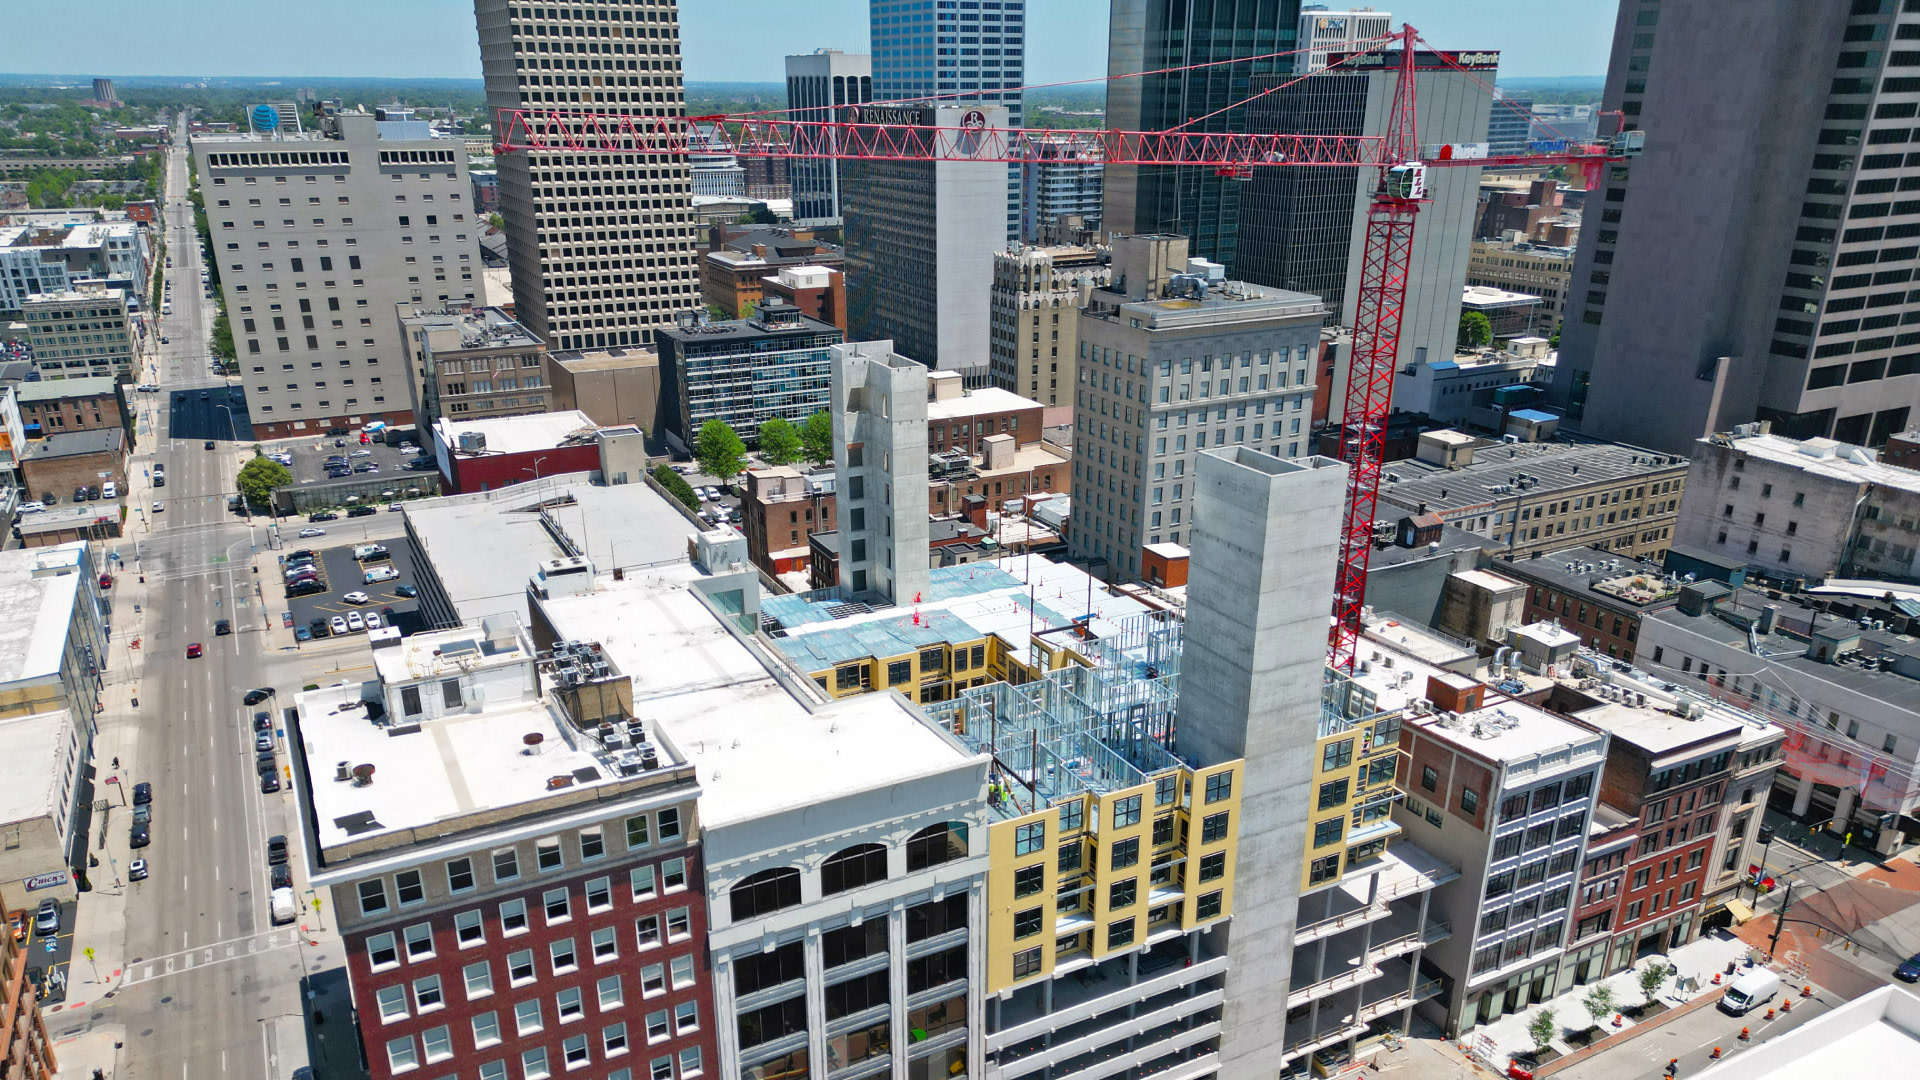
(269, 783)
(257, 695)
(142, 793)
(264, 764)
(362, 511)
(93, 492)
(209, 444)
(80, 493)
(324, 515)
(280, 876)
(319, 628)
(222, 627)
(1910, 970)
(276, 851)
(263, 721)
(307, 587)
(302, 553)
(140, 837)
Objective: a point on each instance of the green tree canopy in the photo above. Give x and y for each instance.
(1651, 978)
(1475, 329)
(259, 477)
(779, 442)
(676, 486)
(1541, 1029)
(816, 438)
(719, 451)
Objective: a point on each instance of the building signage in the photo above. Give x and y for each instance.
(265, 117)
(1547, 146)
(47, 881)
(1423, 60)
(910, 115)
(1325, 25)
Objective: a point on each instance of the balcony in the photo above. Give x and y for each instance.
(1142, 1026)
(1402, 870)
(1340, 963)
(1077, 997)
(1118, 1059)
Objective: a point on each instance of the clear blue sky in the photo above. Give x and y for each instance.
(726, 40)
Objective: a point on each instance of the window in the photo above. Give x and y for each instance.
(459, 875)
(1123, 893)
(679, 924)
(506, 865)
(1213, 867)
(1125, 853)
(567, 1004)
(1126, 812)
(373, 896)
(479, 979)
(1120, 933)
(765, 892)
(673, 875)
(392, 1002)
(850, 943)
(1073, 815)
(1429, 778)
(469, 929)
(936, 844)
(599, 894)
(647, 931)
(784, 964)
(409, 888)
(555, 905)
(1337, 755)
(401, 1055)
(1213, 828)
(1029, 838)
(1469, 800)
(857, 995)
(419, 941)
(613, 1039)
(1027, 923)
(1026, 963)
(639, 832)
(547, 854)
(486, 1030)
(592, 844)
(382, 951)
(641, 878)
(605, 944)
(653, 980)
(669, 822)
(426, 993)
(1219, 786)
(520, 967)
(686, 1017)
(936, 917)
(1028, 880)
(533, 1064)
(610, 993)
(1328, 831)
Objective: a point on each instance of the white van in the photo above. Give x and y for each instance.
(1750, 991)
(282, 906)
(109, 490)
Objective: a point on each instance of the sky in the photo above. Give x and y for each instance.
(725, 40)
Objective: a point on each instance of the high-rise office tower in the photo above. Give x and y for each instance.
(1697, 305)
(920, 238)
(1037, 296)
(1325, 31)
(971, 52)
(1308, 232)
(816, 83)
(320, 232)
(600, 245)
(1151, 35)
(1509, 125)
(1063, 179)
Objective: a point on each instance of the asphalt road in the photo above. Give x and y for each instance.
(211, 988)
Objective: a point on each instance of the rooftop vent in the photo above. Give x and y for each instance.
(533, 739)
(363, 776)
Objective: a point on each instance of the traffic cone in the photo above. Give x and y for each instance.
(1786, 1005)
(1618, 1019)
(1715, 1056)
(1769, 1014)
(1743, 1034)
(1716, 978)
(1807, 990)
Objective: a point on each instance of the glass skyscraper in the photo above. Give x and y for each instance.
(1148, 35)
(973, 48)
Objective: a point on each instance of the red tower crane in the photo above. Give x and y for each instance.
(876, 132)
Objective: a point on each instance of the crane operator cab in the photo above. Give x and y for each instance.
(1407, 181)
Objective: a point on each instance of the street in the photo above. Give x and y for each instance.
(205, 985)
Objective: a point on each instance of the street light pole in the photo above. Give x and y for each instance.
(1780, 921)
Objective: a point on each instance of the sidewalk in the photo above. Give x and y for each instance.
(1697, 962)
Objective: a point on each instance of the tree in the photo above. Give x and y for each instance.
(779, 442)
(1555, 339)
(816, 438)
(1651, 977)
(676, 486)
(259, 477)
(496, 223)
(719, 451)
(1475, 329)
(1542, 1029)
(1598, 1002)
(221, 341)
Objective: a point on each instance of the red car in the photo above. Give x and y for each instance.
(106, 581)
(193, 651)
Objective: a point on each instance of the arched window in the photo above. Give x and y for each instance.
(765, 892)
(858, 865)
(936, 844)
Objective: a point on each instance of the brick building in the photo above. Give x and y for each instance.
(780, 512)
(1503, 209)
(25, 1050)
(819, 292)
(737, 262)
(986, 442)
(60, 463)
(1597, 595)
(50, 407)
(523, 893)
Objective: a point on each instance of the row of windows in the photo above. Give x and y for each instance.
(556, 905)
(522, 969)
(778, 888)
(404, 1054)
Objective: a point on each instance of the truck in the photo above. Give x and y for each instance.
(1750, 991)
(282, 906)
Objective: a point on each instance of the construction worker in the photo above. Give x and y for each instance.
(1673, 1067)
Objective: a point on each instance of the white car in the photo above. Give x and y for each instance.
(373, 620)
(338, 625)
(159, 506)
(311, 532)
(356, 621)
(109, 490)
(381, 573)
(702, 492)
(361, 453)
(33, 508)
(357, 597)
(364, 552)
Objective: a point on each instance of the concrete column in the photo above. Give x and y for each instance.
(1803, 797)
(1843, 812)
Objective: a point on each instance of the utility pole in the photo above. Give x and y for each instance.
(1780, 921)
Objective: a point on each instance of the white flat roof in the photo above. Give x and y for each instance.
(1864, 1037)
(1825, 457)
(1655, 730)
(517, 434)
(432, 655)
(34, 766)
(987, 399)
(484, 546)
(756, 749)
(40, 608)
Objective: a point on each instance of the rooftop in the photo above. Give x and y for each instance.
(1822, 457)
(518, 434)
(1233, 301)
(1657, 728)
(38, 588)
(447, 652)
(1483, 297)
(479, 328)
(757, 747)
(41, 749)
(1501, 470)
(56, 389)
(605, 359)
(986, 399)
(1635, 583)
(70, 443)
(484, 546)
(775, 319)
(77, 296)
(1870, 1033)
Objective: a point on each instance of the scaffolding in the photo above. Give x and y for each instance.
(1080, 729)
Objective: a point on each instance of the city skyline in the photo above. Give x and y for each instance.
(724, 40)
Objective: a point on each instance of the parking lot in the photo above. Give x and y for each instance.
(310, 455)
(727, 506)
(342, 574)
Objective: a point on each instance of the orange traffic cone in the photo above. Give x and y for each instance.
(1715, 1056)
(1617, 1019)
(1743, 1034)
(1807, 990)
(1716, 978)
(1786, 1005)
(1769, 1014)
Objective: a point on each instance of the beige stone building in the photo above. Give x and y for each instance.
(1036, 293)
(1517, 266)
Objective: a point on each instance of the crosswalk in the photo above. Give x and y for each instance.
(159, 967)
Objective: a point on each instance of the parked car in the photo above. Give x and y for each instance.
(362, 511)
(208, 445)
(337, 625)
(194, 650)
(407, 591)
(1910, 970)
(137, 870)
(143, 813)
(109, 490)
(269, 783)
(301, 633)
(319, 627)
(140, 836)
(324, 515)
(33, 508)
(276, 850)
(46, 920)
(142, 793)
(381, 573)
(357, 597)
(263, 721)
(356, 621)
(106, 581)
(307, 587)
(257, 695)
(280, 876)
(373, 620)
(263, 741)
(370, 551)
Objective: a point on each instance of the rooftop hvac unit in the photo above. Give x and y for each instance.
(473, 442)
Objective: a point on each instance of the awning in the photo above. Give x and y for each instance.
(1739, 910)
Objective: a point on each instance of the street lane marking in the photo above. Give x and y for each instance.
(209, 955)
